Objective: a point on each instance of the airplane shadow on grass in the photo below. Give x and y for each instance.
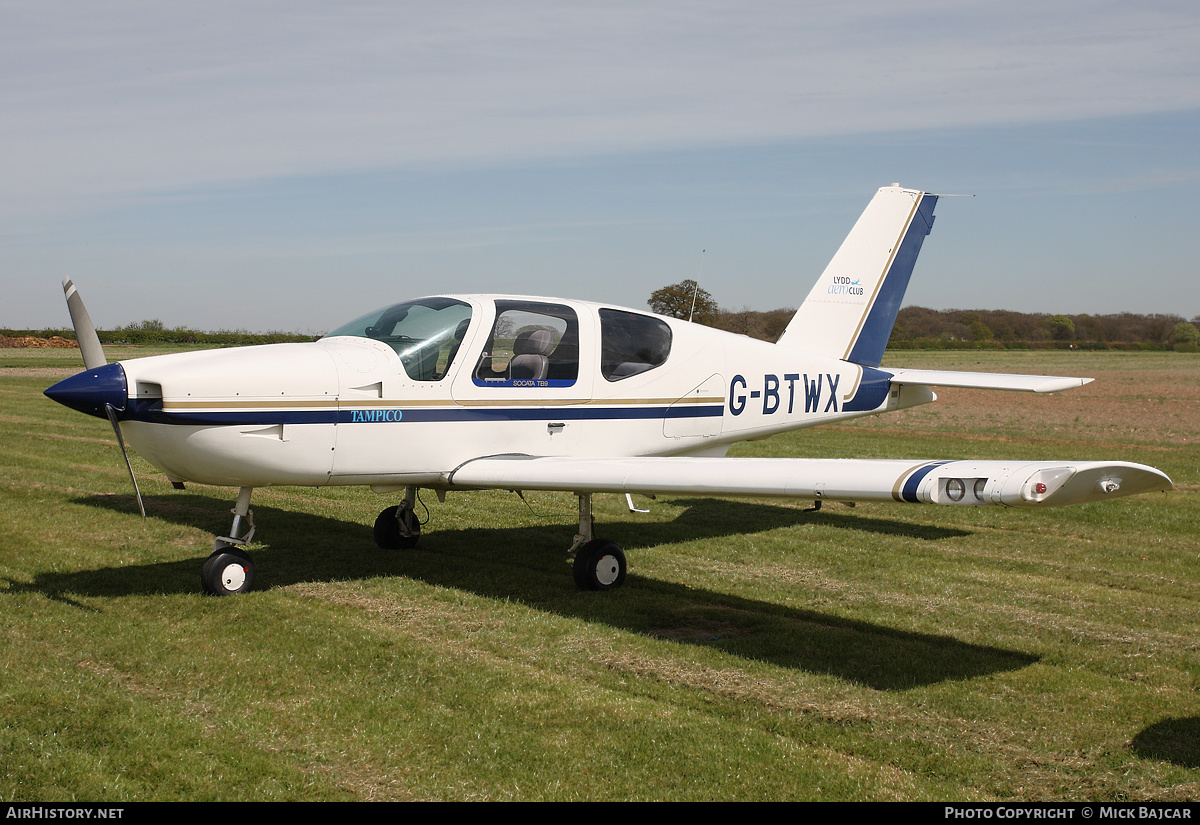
(1171, 740)
(529, 565)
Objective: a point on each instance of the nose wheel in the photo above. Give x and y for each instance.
(230, 569)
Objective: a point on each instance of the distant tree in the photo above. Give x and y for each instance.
(150, 331)
(745, 322)
(918, 322)
(980, 331)
(676, 300)
(1185, 333)
(1000, 322)
(1088, 328)
(1159, 327)
(1061, 328)
(1120, 327)
(775, 322)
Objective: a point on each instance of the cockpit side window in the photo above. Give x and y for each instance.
(631, 344)
(426, 333)
(532, 344)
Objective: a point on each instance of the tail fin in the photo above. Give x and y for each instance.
(850, 312)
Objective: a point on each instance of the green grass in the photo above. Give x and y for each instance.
(757, 651)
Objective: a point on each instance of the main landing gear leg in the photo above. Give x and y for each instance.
(599, 563)
(230, 569)
(397, 528)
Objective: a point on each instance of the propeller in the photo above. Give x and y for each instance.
(94, 358)
(137, 491)
(85, 333)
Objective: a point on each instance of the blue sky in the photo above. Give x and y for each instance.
(272, 165)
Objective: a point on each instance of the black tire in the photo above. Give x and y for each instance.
(387, 529)
(599, 565)
(227, 571)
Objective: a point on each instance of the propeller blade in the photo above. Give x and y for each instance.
(93, 357)
(85, 332)
(112, 416)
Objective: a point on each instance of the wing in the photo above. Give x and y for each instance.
(1006, 483)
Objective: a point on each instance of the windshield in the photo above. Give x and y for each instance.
(426, 333)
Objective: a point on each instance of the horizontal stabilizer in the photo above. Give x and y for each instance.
(987, 380)
(1006, 483)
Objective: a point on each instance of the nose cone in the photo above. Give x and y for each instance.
(92, 390)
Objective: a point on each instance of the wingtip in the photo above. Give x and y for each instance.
(1054, 383)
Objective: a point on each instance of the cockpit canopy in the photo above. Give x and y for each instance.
(532, 342)
(425, 333)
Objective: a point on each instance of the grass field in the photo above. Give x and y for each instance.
(757, 651)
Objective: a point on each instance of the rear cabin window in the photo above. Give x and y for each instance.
(532, 344)
(631, 344)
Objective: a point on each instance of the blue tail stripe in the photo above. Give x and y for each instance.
(872, 339)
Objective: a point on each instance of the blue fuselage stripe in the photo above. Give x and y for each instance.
(424, 414)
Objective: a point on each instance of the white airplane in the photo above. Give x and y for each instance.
(465, 392)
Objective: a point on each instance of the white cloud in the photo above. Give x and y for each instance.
(121, 98)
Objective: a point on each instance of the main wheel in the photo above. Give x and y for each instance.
(228, 570)
(388, 532)
(599, 565)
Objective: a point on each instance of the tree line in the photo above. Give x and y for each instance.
(918, 327)
(155, 332)
(924, 328)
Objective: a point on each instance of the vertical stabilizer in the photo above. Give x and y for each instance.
(850, 312)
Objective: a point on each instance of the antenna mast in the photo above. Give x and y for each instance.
(696, 291)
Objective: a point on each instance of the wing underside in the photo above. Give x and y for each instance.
(978, 483)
